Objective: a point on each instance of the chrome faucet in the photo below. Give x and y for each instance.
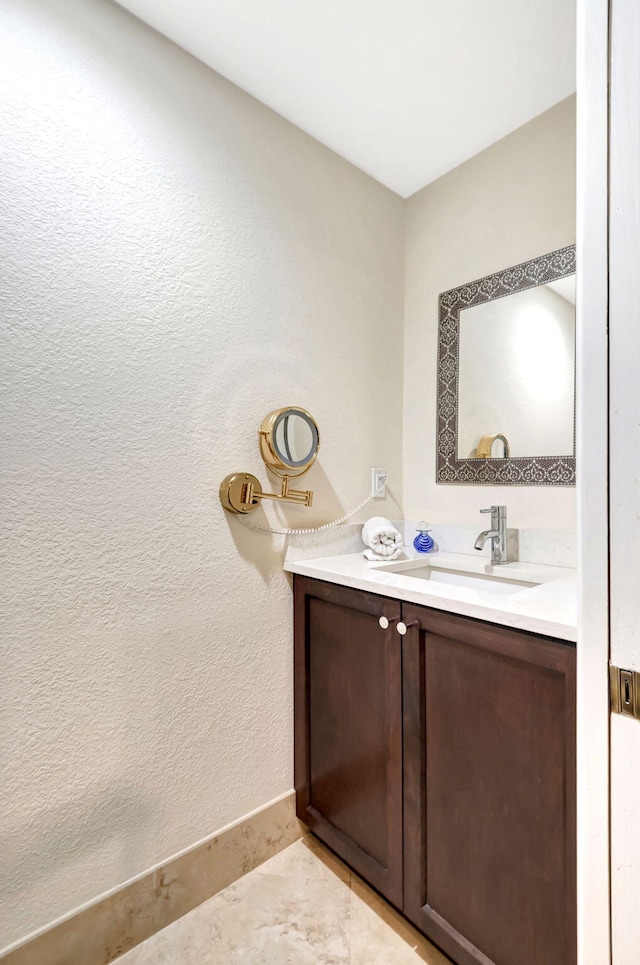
(497, 534)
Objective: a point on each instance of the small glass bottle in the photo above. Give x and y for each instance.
(423, 543)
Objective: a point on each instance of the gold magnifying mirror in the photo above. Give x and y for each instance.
(289, 443)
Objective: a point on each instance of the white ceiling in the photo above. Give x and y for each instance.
(405, 89)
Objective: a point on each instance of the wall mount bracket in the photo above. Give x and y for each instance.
(241, 492)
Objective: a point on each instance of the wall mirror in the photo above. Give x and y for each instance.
(506, 376)
(289, 443)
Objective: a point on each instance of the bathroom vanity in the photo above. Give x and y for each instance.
(435, 744)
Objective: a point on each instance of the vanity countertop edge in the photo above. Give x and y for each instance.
(549, 608)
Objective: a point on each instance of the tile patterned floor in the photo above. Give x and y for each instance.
(302, 907)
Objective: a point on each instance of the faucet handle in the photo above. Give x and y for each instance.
(491, 509)
(499, 511)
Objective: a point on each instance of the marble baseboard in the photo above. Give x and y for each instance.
(100, 933)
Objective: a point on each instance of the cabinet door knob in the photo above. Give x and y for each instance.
(385, 622)
(403, 627)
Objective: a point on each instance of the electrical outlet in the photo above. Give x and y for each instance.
(379, 483)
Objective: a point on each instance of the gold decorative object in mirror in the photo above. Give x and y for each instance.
(289, 443)
(485, 446)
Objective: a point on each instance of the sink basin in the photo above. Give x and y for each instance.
(485, 582)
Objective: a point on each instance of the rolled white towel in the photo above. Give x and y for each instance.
(376, 558)
(383, 539)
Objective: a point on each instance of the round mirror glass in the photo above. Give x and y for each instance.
(295, 438)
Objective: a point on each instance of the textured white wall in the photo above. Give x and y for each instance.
(512, 202)
(177, 260)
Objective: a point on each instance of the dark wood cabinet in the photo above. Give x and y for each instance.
(348, 722)
(441, 766)
(489, 790)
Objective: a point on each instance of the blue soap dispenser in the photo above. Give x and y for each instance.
(423, 543)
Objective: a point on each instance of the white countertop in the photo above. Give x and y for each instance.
(549, 608)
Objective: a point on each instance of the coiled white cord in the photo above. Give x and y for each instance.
(319, 529)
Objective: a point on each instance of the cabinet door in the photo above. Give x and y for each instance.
(489, 793)
(348, 727)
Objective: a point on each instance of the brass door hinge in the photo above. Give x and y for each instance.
(625, 692)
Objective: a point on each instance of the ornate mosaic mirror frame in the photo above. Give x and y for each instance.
(514, 470)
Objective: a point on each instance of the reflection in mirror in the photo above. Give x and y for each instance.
(487, 447)
(516, 373)
(295, 437)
